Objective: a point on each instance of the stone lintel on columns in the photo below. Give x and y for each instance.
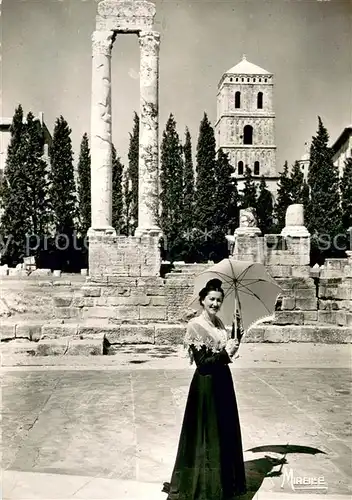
(127, 16)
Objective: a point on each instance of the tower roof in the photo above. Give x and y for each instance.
(247, 68)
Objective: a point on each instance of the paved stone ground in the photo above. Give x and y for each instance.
(107, 427)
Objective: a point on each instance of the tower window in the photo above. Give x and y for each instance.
(256, 168)
(242, 79)
(240, 168)
(230, 79)
(248, 79)
(260, 100)
(236, 79)
(238, 100)
(254, 80)
(248, 134)
(266, 80)
(260, 79)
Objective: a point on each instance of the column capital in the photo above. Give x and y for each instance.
(149, 40)
(102, 42)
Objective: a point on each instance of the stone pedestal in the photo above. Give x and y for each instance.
(294, 222)
(148, 199)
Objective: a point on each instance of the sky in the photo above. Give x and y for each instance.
(307, 44)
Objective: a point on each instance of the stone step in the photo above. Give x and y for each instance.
(98, 338)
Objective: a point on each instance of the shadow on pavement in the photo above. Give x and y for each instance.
(256, 471)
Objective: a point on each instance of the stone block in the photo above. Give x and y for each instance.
(310, 317)
(91, 291)
(68, 312)
(131, 334)
(92, 329)
(150, 281)
(169, 334)
(276, 334)
(83, 301)
(62, 300)
(305, 293)
(327, 317)
(344, 318)
(158, 300)
(254, 334)
(288, 318)
(293, 283)
(126, 313)
(322, 334)
(28, 330)
(134, 270)
(7, 330)
(52, 347)
(344, 293)
(152, 312)
(97, 312)
(306, 304)
(86, 347)
(280, 271)
(301, 271)
(61, 283)
(41, 273)
(57, 273)
(325, 292)
(288, 303)
(155, 290)
(328, 305)
(84, 272)
(56, 330)
(4, 271)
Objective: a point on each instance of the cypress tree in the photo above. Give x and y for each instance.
(226, 210)
(264, 208)
(324, 208)
(63, 196)
(62, 189)
(346, 195)
(84, 187)
(297, 179)
(188, 184)
(131, 197)
(15, 222)
(117, 200)
(205, 180)
(283, 198)
(171, 183)
(249, 194)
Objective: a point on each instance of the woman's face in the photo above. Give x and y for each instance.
(212, 302)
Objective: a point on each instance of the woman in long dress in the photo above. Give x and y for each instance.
(209, 463)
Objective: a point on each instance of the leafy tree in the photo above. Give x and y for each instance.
(171, 183)
(284, 198)
(264, 208)
(63, 189)
(324, 208)
(15, 222)
(131, 183)
(84, 185)
(249, 194)
(346, 195)
(205, 180)
(117, 199)
(297, 179)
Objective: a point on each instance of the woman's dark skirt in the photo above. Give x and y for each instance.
(209, 462)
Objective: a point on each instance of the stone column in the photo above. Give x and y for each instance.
(101, 164)
(148, 192)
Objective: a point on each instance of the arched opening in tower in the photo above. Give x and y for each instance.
(260, 100)
(248, 134)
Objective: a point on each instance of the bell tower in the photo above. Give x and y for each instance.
(245, 125)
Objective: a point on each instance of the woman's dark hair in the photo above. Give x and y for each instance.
(213, 285)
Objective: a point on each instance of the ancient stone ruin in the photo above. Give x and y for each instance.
(124, 299)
